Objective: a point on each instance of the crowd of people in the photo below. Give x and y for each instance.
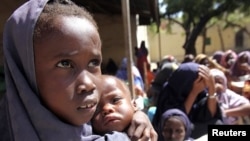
(208, 89)
(55, 89)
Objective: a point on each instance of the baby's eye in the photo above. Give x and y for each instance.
(94, 63)
(116, 100)
(65, 64)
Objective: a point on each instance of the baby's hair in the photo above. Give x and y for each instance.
(53, 9)
(123, 83)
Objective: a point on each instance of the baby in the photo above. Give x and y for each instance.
(116, 108)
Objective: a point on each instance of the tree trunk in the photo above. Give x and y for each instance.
(204, 36)
(189, 45)
(221, 38)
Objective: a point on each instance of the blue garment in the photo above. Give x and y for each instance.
(175, 93)
(180, 115)
(24, 117)
(122, 73)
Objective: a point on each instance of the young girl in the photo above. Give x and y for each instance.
(52, 56)
(175, 125)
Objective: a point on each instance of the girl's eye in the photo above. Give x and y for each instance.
(94, 63)
(65, 64)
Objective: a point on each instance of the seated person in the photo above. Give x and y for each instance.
(240, 71)
(115, 109)
(227, 98)
(175, 125)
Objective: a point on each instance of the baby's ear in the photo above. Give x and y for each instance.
(135, 105)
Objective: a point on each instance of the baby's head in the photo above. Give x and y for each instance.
(116, 108)
(67, 54)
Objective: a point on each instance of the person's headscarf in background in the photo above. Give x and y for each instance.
(228, 59)
(175, 93)
(180, 115)
(188, 58)
(161, 77)
(243, 58)
(217, 56)
(122, 73)
(227, 98)
(202, 59)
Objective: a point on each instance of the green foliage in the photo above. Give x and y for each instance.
(195, 15)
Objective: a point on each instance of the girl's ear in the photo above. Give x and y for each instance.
(136, 108)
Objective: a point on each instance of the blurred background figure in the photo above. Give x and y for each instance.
(190, 88)
(228, 59)
(227, 98)
(188, 58)
(175, 126)
(142, 59)
(217, 56)
(122, 73)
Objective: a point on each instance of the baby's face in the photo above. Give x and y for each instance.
(66, 67)
(115, 109)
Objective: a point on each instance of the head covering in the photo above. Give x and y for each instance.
(177, 89)
(122, 73)
(236, 71)
(24, 116)
(228, 99)
(218, 73)
(224, 61)
(160, 79)
(217, 56)
(180, 83)
(188, 58)
(182, 116)
(199, 58)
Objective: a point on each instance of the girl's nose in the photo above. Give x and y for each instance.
(86, 83)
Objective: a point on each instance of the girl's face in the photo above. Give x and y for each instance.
(115, 109)
(66, 64)
(173, 130)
